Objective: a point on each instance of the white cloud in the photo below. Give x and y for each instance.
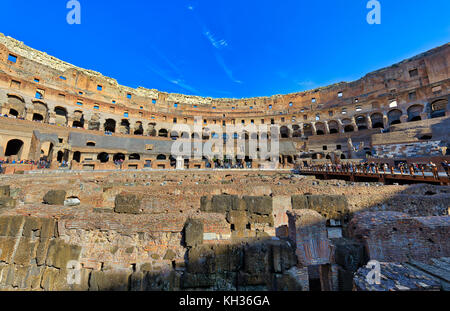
(218, 44)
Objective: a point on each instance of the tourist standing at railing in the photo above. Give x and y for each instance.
(434, 169)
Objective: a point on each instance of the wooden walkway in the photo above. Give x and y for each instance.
(387, 178)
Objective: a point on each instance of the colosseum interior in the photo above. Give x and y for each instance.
(91, 197)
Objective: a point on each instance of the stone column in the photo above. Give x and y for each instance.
(313, 126)
(355, 126)
(327, 127)
(369, 121)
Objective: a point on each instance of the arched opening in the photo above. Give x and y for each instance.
(343, 157)
(394, 116)
(377, 120)
(320, 128)
(78, 124)
(349, 128)
(185, 135)
(110, 126)
(414, 113)
(163, 133)
(14, 148)
(334, 127)
(38, 117)
(77, 156)
(78, 119)
(16, 105)
(138, 129)
(134, 156)
(91, 144)
(119, 157)
(61, 116)
(297, 131)
(438, 108)
(13, 113)
(285, 132)
(361, 123)
(125, 127)
(307, 130)
(60, 156)
(151, 129)
(161, 157)
(103, 157)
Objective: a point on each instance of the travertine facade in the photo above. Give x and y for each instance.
(67, 110)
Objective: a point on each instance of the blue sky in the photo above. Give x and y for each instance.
(229, 48)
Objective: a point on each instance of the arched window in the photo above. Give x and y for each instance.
(110, 126)
(134, 156)
(414, 113)
(14, 148)
(103, 157)
(163, 133)
(394, 117)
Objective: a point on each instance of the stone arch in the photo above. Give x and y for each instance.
(14, 147)
(110, 125)
(296, 131)
(333, 126)
(103, 157)
(394, 116)
(78, 119)
(414, 113)
(17, 103)
(438, 108)
(119, 157)
(13, 113)
(151, 129)
(161, 157)
(285, 132)
(361, 122)
(320, 128)
(308, 130)
(40, 109)
(163, 133)
(125, 127)
(134, 156)
(377, 120)
(60, 116)
(37, 117)
(138, 128)
(77, 156)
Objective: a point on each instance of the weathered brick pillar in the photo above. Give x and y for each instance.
(307, 229)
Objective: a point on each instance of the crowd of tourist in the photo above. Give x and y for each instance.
(40, 164)
(382, 168)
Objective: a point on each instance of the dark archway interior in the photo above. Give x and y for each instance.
(103, 157)
(14, 147)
